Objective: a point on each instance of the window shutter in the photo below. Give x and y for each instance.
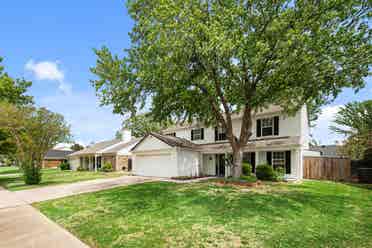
(192, 134)
(276, 125)
(258, 127)
(268, 157)
(215, 133)
(202, 133)
(288, 162)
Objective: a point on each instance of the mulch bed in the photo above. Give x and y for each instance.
(187, 178)
(239, 183)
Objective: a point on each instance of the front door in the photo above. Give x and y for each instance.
(220, 165)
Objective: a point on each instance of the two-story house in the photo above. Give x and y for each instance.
(196, 150)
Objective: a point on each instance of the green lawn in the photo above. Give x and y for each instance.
(159, 214)
(15, 181)
(8, 170)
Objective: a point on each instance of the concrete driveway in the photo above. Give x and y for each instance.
(22, 226)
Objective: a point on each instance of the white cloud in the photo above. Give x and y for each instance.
(49, 70)
(321, 131)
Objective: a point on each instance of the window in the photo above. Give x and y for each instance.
(197, 134)
(171, 134)
(267, 126)
(278, 159)
(220, 134)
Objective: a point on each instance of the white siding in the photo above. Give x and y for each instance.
(151, 143)
(74, 162)
(188, 162)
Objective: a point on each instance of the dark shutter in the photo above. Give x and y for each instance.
(215, 133)
(288, 162)
(276, 125)
(258, 128)
(253, 161)
(202, 133)
(192, 134)
(268, 157)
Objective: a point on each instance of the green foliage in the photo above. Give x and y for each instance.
(140, 125)
(107, 167)
(65, 166)
(31, 173)
(354, 120)
(249, 178)
(77, 147)
(265, 172)
(246, 169)
(279, 173)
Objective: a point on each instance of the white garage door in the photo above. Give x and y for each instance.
(157, 165)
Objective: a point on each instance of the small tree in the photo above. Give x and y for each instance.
(34, 132)
(77, 147)
(354, 121)
(208, 60)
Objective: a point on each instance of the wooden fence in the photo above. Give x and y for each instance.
(335, 169)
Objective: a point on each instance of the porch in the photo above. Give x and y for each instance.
(217, 164)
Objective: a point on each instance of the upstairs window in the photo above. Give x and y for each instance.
(197, 134)
(267, 126)
(220, 134)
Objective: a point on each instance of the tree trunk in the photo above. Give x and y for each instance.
(237, 162)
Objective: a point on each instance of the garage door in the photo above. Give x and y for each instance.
(157, 165)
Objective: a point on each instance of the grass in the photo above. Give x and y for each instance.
(15, 181)
(159, 214)
(8, 170)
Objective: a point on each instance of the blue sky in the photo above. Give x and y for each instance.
(51, 42)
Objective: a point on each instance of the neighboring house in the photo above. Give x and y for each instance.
(327, 150)
(55, 157)
(196, 150)
(117, 152)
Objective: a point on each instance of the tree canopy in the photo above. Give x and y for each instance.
(142, 124)
(206, 60)
(354, 121)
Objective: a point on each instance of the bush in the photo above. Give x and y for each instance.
(31, 174)
(65, 166)
(265, 172)
(246, 169)
(250, 178)
(279, 173)
(107, 167)
(81, 168)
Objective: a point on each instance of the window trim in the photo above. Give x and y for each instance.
(263, 126)
(200, 134)
(283, 159)
(220, 134)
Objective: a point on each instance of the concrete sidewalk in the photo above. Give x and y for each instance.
(22, 226)
(25, 227)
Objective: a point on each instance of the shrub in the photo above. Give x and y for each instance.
(250, 178)
(246, 169)
(265, 172)
(279, 173)
(107, 167)
(81, 168)
(65, 166)
(31, 174)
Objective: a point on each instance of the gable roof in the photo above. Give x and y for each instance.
(57, 154)
(96, 147)
(120, 146)
(169, 140)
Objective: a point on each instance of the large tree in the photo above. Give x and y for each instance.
(34, 131)
(206, 60)
(354, 121)
(142, 124)
(11, 91)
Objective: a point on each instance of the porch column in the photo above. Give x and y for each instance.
(95, 162)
